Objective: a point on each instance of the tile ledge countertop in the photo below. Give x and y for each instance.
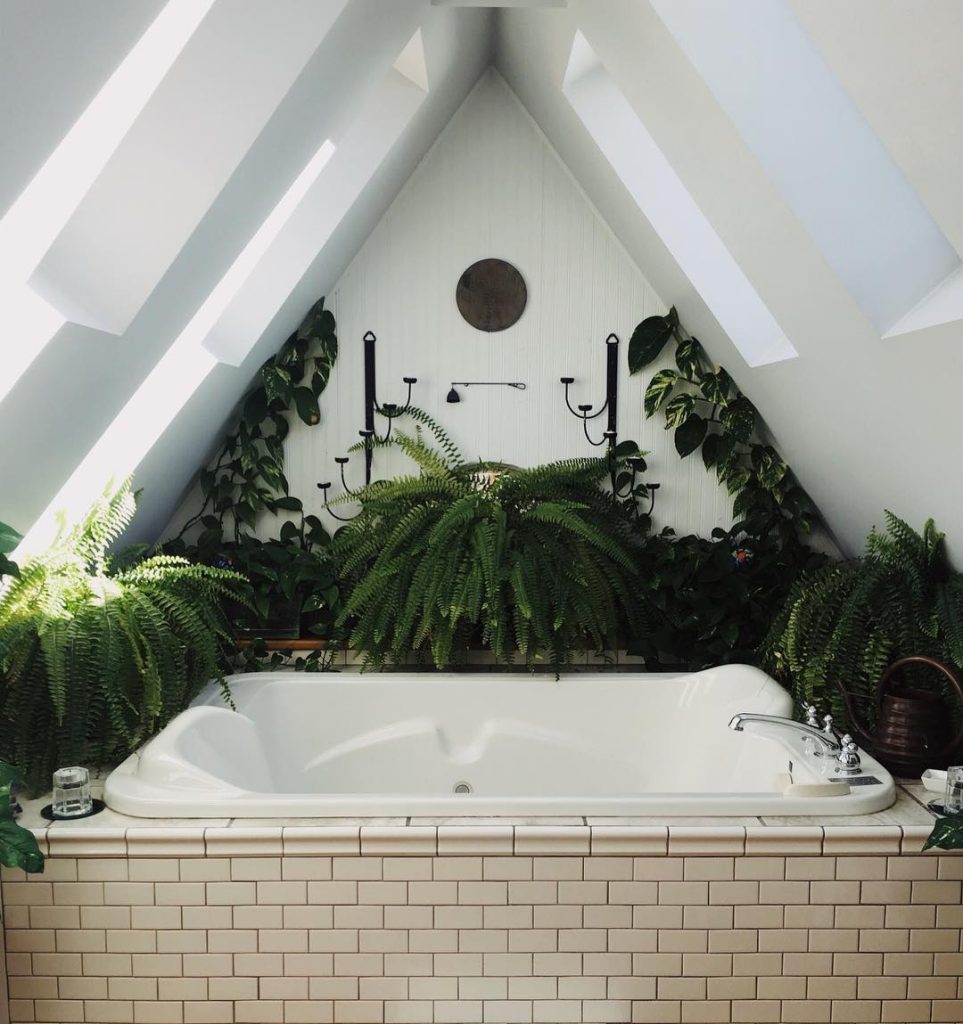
(901, 828)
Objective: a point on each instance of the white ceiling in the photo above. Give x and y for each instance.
(868, 422)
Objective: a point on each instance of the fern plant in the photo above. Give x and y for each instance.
(844, 623)
(95, 658)
(535, 563)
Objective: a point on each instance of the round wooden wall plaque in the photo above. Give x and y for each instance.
(491, 295)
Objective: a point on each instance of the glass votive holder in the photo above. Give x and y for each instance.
(71, 793)
(953, 800)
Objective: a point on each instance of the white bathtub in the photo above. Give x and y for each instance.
(336, 745)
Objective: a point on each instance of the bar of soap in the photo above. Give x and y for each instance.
(818, 789)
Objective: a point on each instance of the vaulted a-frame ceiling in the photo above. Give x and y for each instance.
(251, 149)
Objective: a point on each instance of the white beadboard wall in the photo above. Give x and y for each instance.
(493, 186)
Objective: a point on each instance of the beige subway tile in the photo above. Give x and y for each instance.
(581, 940)
(507, 917)
(476, 840)
(282, 988)
(657, 964)
(423, 917)
(205, 869)
(950, 866)
(463, 869)
(306, 869)
(659, 1012)
(733, 940)
(34, 893)
(684, 940)
(59, 1010)
(482, 893)
(68, 841)
(632, 940)
(382, 940)
(857, 1011)
(490, 941)
(195, 989)
(323, 988)
(486, 988)
(503, 1011)
(289, 893)
(556, 1011)
(932, 988)
(260, 1011)
(863, 964)
(635, 893)
(912, 867)
(182, 942)
(404, 841)
(232, 940)
(681, 893)
(98, 988)
(430, 893)
(108, 965)
(865, 916)
(405, 869)
(127, 940)
(783, 940)
(779, 987)
(208, 917)
(865, 869)
(26, 941)
(834, 940)
(156, 1012)
(623, 988)
(709, 917)
(409, 964)
(606, 1011)
(946, 917)
(232, 893)
(906, 1010)
(339, 940)
(734, 893)
(95, 870)
(706, 964)
(749, 964)
(324, 840)
(243, 842)
(703, 840)
(946, 891)
(708, 869)
(433, 988)
(657, 917)
(605, 916)
(287, 917)
(455, 964)
(601, 868)
(255, 869)
(282, 940)
(180, 894)
(806, 1011)
(658, 869)
(887, 893)
(233, 988)
(458, 1011)
(767, 841)
(50, 964)
(807, 916)
(331, 893)
(156, 965)
(862, 840)
(51, 917)
(881, 988)
(382, 988)
(369, 869)
(539, 988)
(108, 1011)
(32, 988)
(810, 869)
(556, 964)
(557, 868)
(759, 868)
(409, 1012)
(552, 839)
(208, 1013)
(950, 1010)
(530, 893)
(836, 892)
(944, 963)
(887, 940)
(730, 988)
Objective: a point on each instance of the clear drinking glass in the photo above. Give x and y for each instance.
(71, 793)
(953, 801)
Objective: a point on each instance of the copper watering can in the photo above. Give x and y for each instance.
(914, 727)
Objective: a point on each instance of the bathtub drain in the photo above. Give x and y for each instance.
(462, 788)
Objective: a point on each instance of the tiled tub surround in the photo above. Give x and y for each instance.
(601, 920)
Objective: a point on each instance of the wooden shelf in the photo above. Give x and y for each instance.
(313, 644)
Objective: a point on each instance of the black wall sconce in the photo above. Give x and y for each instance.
(368, 436)
(453, 395)
(611, 403)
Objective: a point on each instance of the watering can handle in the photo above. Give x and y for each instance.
(948, 671)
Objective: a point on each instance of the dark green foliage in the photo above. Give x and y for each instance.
(18, 846)
(947, 833)
(292, 589)
(531, 562)
(94, 659)
(847, 621)
(702, 404)
(711, 602)
(9, 539)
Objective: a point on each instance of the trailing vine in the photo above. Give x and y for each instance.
(292, 575)
(708, 412)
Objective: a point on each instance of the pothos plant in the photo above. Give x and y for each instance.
(708, 413)
(18, 846)
(291, 576)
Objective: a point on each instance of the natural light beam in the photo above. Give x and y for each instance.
(670, 209)
(40, 212)
(180, 372)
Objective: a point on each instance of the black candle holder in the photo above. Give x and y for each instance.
(611, 403)
(390, 410)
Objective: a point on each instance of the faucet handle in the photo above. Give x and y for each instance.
(847, 760)
(812, 714)
(829, 728)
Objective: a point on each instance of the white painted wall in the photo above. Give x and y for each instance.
(492, 186)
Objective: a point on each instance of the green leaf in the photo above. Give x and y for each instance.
(688, 356)
(739, 418)
(289, 504)
(9, 538)
(647, 341)
(255, 407)
(770, 469)
(679, 410)
(711, 450)
(307, 405)
(18, 847)
(689, 436)
(7, 567)
(947, 833)
(277, 384)
(737, 478)
(658, 390)
(624, 449)
(716, 387)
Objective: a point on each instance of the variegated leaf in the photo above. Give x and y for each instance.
(659, 390)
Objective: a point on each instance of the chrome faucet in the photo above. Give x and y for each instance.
(842, 748)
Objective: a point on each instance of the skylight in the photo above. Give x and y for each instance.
(673, 213)
(167, 388)
(38, 215)
(816, 146)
